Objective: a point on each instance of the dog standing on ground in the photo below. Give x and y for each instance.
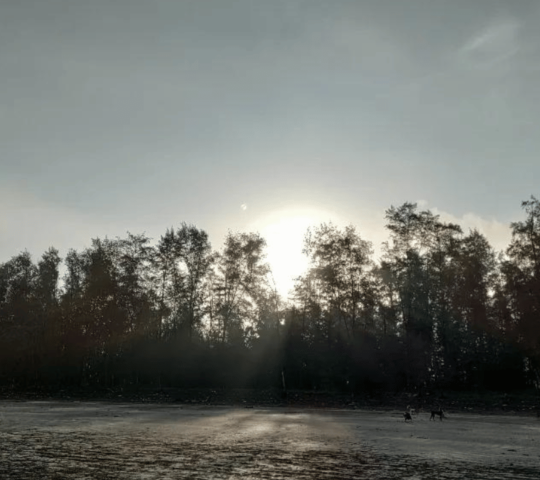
(408, 413)
(439, 413)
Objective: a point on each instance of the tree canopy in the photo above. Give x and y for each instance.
(440, 308)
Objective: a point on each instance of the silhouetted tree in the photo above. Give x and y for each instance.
(49, 317)
(338, 300)
(20, 326)
(416, 261)
(240, 281)
(440, 309)
(521, 273)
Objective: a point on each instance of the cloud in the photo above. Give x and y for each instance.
(493, 44)
(497, 233)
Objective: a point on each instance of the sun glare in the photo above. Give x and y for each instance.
(284, 232)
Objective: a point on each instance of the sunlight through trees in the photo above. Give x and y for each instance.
(440, 309)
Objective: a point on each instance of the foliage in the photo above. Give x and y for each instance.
(440, 309)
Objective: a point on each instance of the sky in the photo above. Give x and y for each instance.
(251, 115)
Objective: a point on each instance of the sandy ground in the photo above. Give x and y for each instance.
(77, 440)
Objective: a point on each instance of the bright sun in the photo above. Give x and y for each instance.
(284, 232)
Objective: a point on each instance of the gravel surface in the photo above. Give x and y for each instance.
(103, 440)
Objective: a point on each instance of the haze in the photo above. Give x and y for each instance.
(248, 115)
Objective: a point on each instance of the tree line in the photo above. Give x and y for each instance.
(440, 309)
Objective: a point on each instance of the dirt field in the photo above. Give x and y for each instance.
(77, 440)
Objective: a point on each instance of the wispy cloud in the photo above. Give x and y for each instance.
(493, 44)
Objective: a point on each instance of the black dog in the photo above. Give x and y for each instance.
(439, 412)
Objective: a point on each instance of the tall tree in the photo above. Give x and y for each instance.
(184, 258)
(137, 295)
(95, 324)
(340, 275)
(19, 316)
(465, 341)
(197, 258)
(47, 298)
(416, 260)
(241, 280)
(522, 284)
(337, 303)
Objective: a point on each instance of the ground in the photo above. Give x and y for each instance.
(104, 440)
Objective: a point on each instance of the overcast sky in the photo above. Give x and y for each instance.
(137, 115)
